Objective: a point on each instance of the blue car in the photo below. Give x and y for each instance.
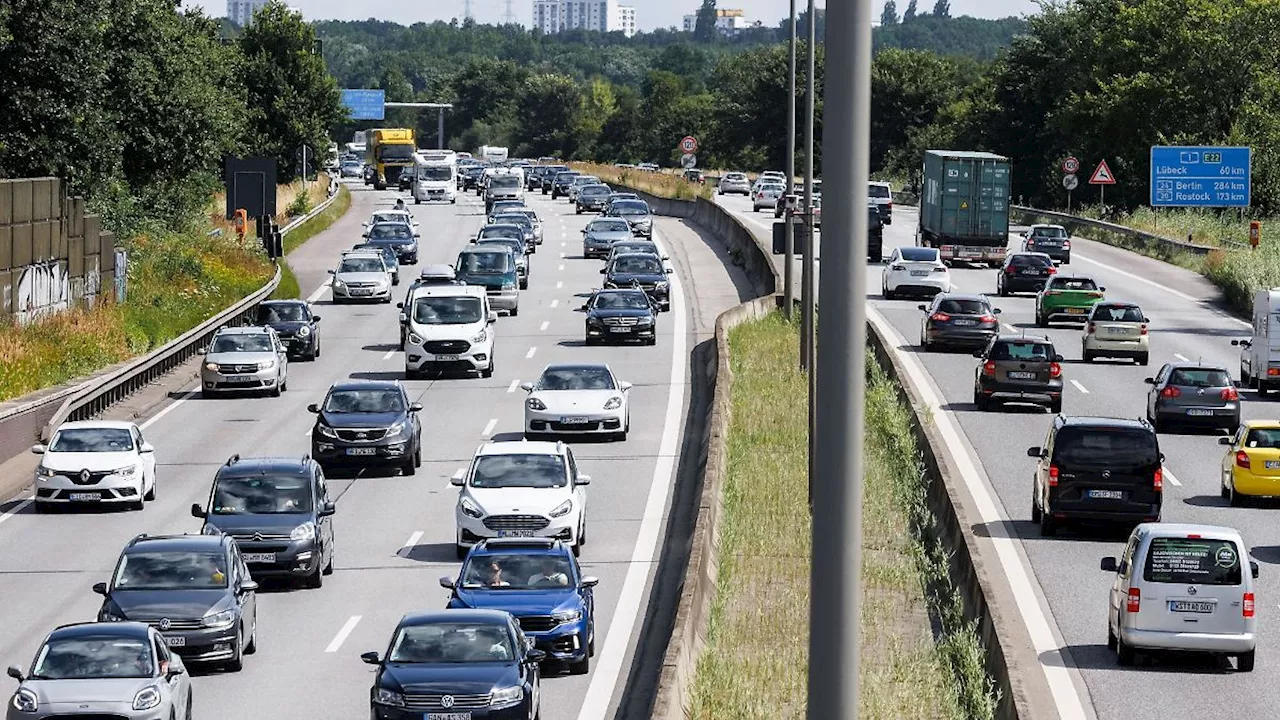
(456, 663)
(539, 582)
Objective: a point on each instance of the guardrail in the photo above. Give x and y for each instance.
(1120, 235)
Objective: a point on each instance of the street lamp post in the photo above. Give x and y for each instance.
(789, 233)
(806, 279)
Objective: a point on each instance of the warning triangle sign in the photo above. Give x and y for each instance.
(1102, 175)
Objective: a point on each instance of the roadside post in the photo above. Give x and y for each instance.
(1255, 234)
(788, 264)
(1070, 182)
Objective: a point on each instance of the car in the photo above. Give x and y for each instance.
(112, 670)
(616, 196)
(518, 250)
(352, 169)
(244, 358)
(619, 316)
(1116, 329)
(536, 221)
(875, 230)
(95, 462)
(734, 182)
(773, 176)
(1097, 469)
(577, 399)
(767, 196)
(1183, 587)
(493, 268)
(538, 581)
(449, 327)
(195, 589)
(533, 178)
(362, 275)
(521, 489)
(278, 511)
(576, 185)
(797, 191)
(461, 664)
(390, 216)
(626, 247)
(641, 271)
(1024, 272)
(398, 236)
(469, 178)
(1052, 240)
(1251, 464)
(364, 424)
(517, 218)
(694, 176)
(548, 177)
(1018, 368)
(507, 186)
(914, 270)
(294, 324)
(504, 206)
(958, 320)
(1067, 297)
(370, 174)
(390, 260)
(600, 234)
(405, 180)
(636, 213)
(430, 275)
(560, 185)
(881, 195)
(1191, 394)
(591, 197)
(500, 230)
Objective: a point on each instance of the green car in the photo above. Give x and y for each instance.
(1067, 298)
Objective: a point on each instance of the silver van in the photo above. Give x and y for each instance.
(1183, 587)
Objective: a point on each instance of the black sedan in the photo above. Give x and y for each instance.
(367, 424)
(641, 271)
(399, 237)
(1024, 272)
(956, 320)
(619, 316)
(292, 320)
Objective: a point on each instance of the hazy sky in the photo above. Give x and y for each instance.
(649, 13)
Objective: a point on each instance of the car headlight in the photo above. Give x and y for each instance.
(211, 367)
(613, 403)
(129, 471)
(339, 285)
(45, 472)
(562, 509)
(210, 530)
(325, 430)
(147, 698)
(508, 286)
(470, 508)
(507, 696)
(397, 428)
(305, 531)
(661, 285)
(567, 616)
(480, 337)
(223, 619)
(646, 321)
(414, 339)
(108, 616)
(536, 404)
(382, 696)
(25, 700)
(266, 364)
(304, 331)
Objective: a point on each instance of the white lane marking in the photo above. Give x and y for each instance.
(390, 354)
(559, 284)
(1158, 286)
(169, 408)
(561, 267)
(545, 324)
(341, 637)
(561, 256)
(514, 384)
(1168, 475)
(555, 303)
(532, 350)
(410, 544)
(306, 433)
(488, 427)
(1181, 357)
(1079, 387)
(319, 291)
(1010, 328)
(1055, 660)
(562, 244)
(16, 509)
(627, 612)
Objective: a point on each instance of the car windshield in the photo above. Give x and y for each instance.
(1018, 350)
(93, 657)
(171, 570)
(963, 307)
(435, 173)
(1200, 378)
(366, 401)
(389, 217)
(564, 178)
(490, 263)
(576, 378)
(735, 177)
(515, 571)
(1192, 561)
(527, 471)
(451, 643)
(583, 180)
(619, 226)
(498, 231)
(241, 343)
(262, 495)
(918, 254)
(504, 181)
(1118, 313)
(595, 190)
(622, 301)
(1106, 447)
(361, 265)
(1030, 261)
(1049, 233)
(878, 191)
(92, 440)
(447, 310)
(630, 207)
(395, 153)
(635, 247)
(517, 246)
(268, 314)
(637, 266)
(390, 230)
(1074, 284)
(514, 219)
(1263, 438)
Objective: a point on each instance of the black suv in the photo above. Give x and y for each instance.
(620, 315)
(1017, 368)
(279, 512)
(194, 589)
(1097, 468)
(293, 322)
(642, 271)
(367, 424)
(560, 185)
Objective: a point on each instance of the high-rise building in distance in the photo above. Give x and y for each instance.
(553, 16)
(241, 12)
(728, 21)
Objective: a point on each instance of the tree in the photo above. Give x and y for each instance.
(942, 9)
(908, 90)
(889, 16)
(910, 13)
(548, 110)
(705, 29)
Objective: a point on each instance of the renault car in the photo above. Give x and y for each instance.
(91, 462)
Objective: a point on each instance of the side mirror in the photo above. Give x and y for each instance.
(315, 318)
(370, 658)
(16, 674)
(582, 308)
(147, 447)
(457, 481)
(38, 449)
(202, 351)
(197, 511)
(1058, 358)
(328, 509)
(1102, 289)
(404, 318)
(582, 480)
(1034, 452)
(400, 306)
(584, 231)
(1236, 383)
(1109, 564)
(1149, 381)
(1253, 569)
(100, 588)
(417, 234)
(590, 582)
(602, 271)
(330, 272)
(1225, 440)
(313, 408)
(492, 317)
(666, 257)
(248, 586)
(446, 582)
(526, 386)
(995, 311)
(415, 407)
(535, 655)
(176, 667)
(625, 386)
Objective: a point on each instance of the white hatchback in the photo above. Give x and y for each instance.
(577, 399)
(95, 462)
(915, 271)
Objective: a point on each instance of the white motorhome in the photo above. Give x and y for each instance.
(436, 176)
(493, 154)
(1260, 354)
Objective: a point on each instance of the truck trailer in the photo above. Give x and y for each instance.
(964, 206)
(390, 152)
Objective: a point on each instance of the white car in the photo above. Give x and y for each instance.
(387, 216)
(767, 195)
(915, 271)
(522, 489)
(577, 399)
(95, 462)
(362, 275)
(448, 327)
(734, 182)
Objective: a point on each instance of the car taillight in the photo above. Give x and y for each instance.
(1095, 294)
(1052, 292)
(1242, 459)
(1170, 392)
(897, 268)
(1009, 270)
(1157, 480)
(1053, 476)
(1230, 394)
(1055, 370)
(1144, 329)
(1053, 270)
(987, 319)
(940, 268)
(1066, 244)
(940, 317)
(989, 368)
(1092, 329)
(1247, 604)
(1273, 372)
(1134, 602)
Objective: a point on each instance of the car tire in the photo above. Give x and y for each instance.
(314, 581)
(1234, 499)
(151, 494)
(1144, 358)
(487, 372)
(1055, 406)
(515, 311)
(137, 504)
(1048, 528)
(189, 703)
(980, 401)
(524, 283)
(651, 341)
(1124, 652)
(251, 647)
(1086, 356)
(236, 663)
(1244, 661)
(887, 293)
(583, 666)
(1111, 638)
(1041, 321)
(577, 549)
(409, 468)
(328, 567)
(1035, 508)
(275, 389)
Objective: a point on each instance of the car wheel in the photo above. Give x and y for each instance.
(284, 384)
(487, 372)
(577, 549)
(151, 494)
(1111, 638)
(1086, 355)
(652, 341)
(515, 311)
(276, 390)
(888, 294)
(524, 283)
(1234, 499)
(1035, 508)
(1055, 406)
(188, 715)
(1124, 652)
(408, 469)
(137, 504)
(1244, 661)
(583, 666)
(1048, 527)
(315, 580)
(236, 663)
(1144, 358)
(1041, 321)
(980, 401)
(328, 567)
(251, 647)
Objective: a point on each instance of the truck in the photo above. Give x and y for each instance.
(1260, 354)
(493, 154)
(964, 207)
(437, 176)
(390, 152)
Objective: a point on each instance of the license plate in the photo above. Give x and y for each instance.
(966, 322)
(515, 533)
(969, 254)
(1035, 273)
(1075, 311)
(1272, 464)
(1021, 375)
(174, 641)
(85, 497)
(1106, 494)
(357, 291)
(446, 358)
(449, 716)
(1199, 412)
(268, 558)
(919, 273)
(573, 420)
(241, 379)
(620, 329)
(362, 451)
(1187, 606)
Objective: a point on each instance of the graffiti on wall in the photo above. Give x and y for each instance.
(48, 287)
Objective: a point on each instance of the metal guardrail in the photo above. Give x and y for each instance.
(1075, 222)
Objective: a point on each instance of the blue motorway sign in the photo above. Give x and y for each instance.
(365, 104)
(1201, 176)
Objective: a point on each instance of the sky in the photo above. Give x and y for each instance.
(650, 14)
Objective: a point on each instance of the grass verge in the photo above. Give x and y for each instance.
(657, 184)
(755, 662)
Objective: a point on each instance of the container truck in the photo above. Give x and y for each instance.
(964, 207)
(390, 152)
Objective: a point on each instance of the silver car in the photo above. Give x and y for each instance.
(599, 236)
(112, 670)
(767, 196)
(734, 182)
(580, 182)
(244, 358)
(362, 275)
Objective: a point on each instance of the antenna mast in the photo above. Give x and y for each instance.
(509, 17)
(466, 10)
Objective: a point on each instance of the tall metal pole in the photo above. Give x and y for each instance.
(440, 130)
(806, 278)
(835, 578)
(788, 266)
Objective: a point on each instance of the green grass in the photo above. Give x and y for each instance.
(319, 223)
(1200, 227)
(658, 184)
(755, 662)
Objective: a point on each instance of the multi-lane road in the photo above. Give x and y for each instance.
(394, 535)
(1186, 324)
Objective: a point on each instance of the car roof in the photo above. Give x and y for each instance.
(530, 545)
(111, 424)
(388, 223)
(437, 269)
(176, 543)
(366, 385)
(1073, 277)
(236, 466)
(577, 366)
(619, 256)
(1045, 225)
(626, 290)
(1182, 530)
(1194, 366)
(520, 447)
(512, 226)
(485, 250)
(246, 330)
(1031, 254)
(448, 291)
(964, 296)
(277, 303)
(1251, 424)
(1085, 421)
(431, 617)
(1009, 337)
(137, 630)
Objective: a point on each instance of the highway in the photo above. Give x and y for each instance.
(394, 535)
(1065, 579)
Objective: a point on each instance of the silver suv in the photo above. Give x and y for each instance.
(244, 358)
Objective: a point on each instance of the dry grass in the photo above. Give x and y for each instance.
(286, 198)
(657, 184)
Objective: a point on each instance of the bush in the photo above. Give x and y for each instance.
(300, 206)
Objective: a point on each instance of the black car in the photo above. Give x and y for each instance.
(548, 177)
(398, 236)
(875, 234)
(474, 664)
(469, 179)
(1024, 272)
(641, 271)
(367, 424)
(560, 186)
(1018, 368)
(619, 316)
(1097, 468)
(405, 179)
(293, 322)
(1052, 240)
(956, 320)
(280, 514)
(194, 589)
(592, 197)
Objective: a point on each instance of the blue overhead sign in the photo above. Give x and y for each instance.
(1201, 176)
(365, 104)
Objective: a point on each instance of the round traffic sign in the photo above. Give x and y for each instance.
(1070, 182)
(689, 145)
(688, 160)
(1070, 165)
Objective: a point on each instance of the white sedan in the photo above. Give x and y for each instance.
(915, 271)
(578, 399)
(96, 462)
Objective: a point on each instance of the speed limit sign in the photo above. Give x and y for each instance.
(689, 145)
(1070, 166)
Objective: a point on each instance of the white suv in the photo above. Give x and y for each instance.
(449, 327)
(522, 489)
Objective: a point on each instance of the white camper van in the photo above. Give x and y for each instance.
(1260, 354)
(436, 177)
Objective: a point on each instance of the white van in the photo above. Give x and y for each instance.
(435, 178)
(450, 327)
(1260, 355)
(1183, 587)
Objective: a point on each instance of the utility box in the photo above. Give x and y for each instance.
(800, 238)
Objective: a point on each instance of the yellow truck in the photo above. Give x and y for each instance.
(390, 151)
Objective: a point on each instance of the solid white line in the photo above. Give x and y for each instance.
(410, 544)
(545, 324)
(561, 267)
(1079, 387)
(1168, 475)
(1181, 357)
(319, 291)
(390, 354)
(169, 408)
(555, 303)
(15, 509)
(609, 661)
(488, 427)
(532, 350)
(514, 384)
(1158, 286)
(559, 284)
(1008, 327)
(341, 637)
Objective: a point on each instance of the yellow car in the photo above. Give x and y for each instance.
(1251, 465)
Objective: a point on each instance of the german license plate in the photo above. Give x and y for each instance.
(1031, 272)
(362, 451)
(268, 558)
(919, 273)
(1021, 375)
(1199, 412)
(1075, 311)
(620, 329)
(1272, 464)
(515, 533)
(449, 716)
(241, 379)
(1187, 606)
(573, 420)
(969, 253)
(446, 358)
(85, 496)
(174, 641)
(1106, 494)
(360, 291)
(960, 321)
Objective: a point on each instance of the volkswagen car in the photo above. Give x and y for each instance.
(95, 461)
(1191, 394)
(518, 250)
(494, 269)
(577, 399)
(591, 198)
(370, 423)
(600, 234)
(637, 215)
(294, 324)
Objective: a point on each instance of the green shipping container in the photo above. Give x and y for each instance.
(965, 198)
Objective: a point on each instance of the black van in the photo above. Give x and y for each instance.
(875, 234)
(1097, 468)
